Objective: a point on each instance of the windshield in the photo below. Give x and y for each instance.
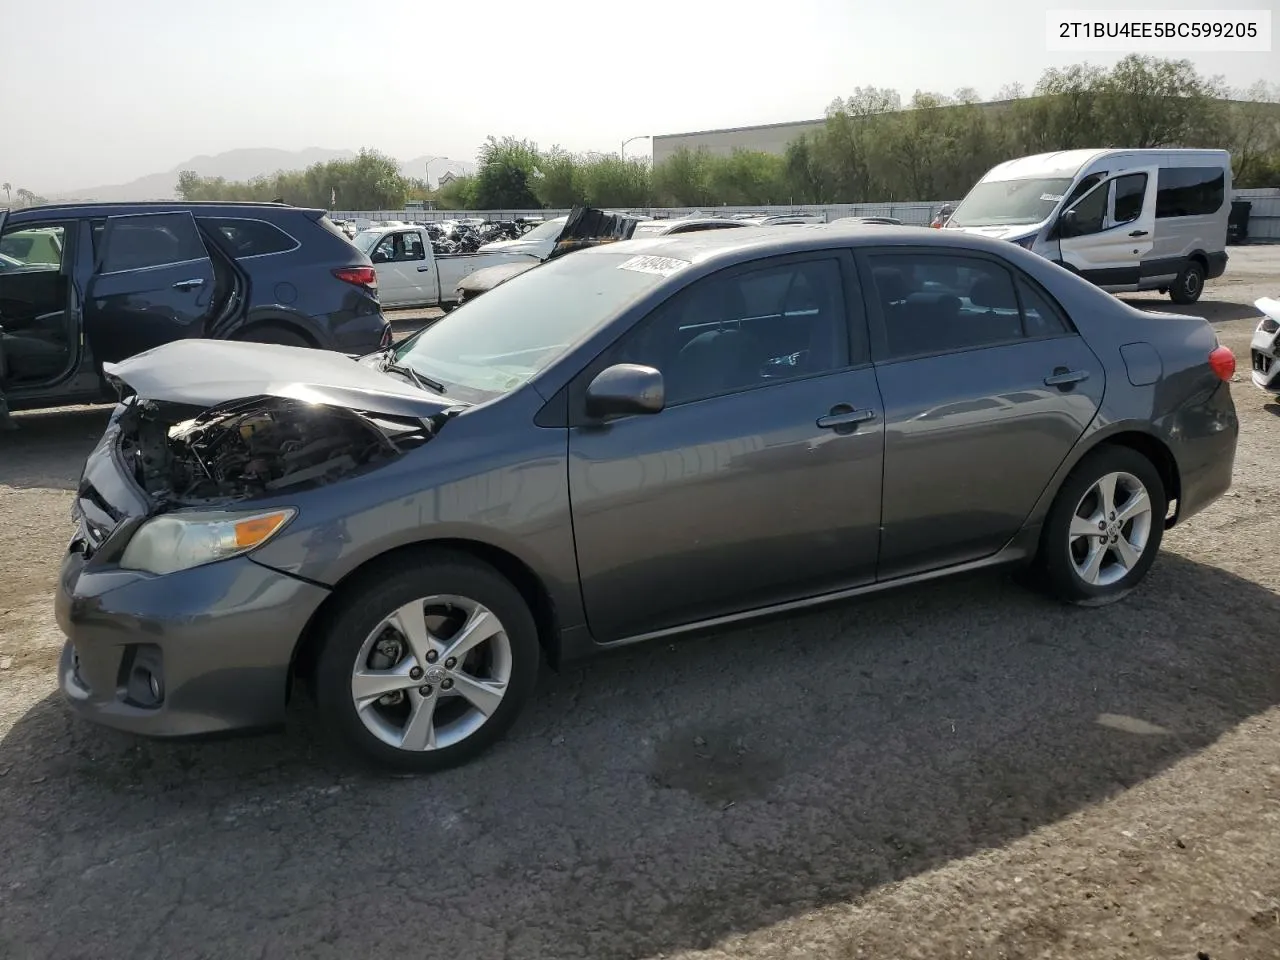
(366, 239)
(1009, 202)
(547, 231)
(499, 341)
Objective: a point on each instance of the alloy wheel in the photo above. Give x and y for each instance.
(1110, 529)
(431, 673)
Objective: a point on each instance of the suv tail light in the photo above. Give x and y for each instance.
(1223, 362)
(360, 276)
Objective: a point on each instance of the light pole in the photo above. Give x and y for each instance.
(623, 152)
(430, 161)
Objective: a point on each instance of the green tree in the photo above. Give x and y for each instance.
(507, 175)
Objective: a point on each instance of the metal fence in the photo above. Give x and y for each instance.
(1264, 218)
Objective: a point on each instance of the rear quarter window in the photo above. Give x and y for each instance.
(249, 238)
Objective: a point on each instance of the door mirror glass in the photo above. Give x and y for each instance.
(625, 388)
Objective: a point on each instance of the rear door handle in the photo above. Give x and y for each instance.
(189, 284)
(847, 419)
(424, 269)
(1137, 233)
(1062, 377)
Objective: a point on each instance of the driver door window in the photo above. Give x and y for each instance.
(387, 249)
(1129, 193)
(731, 332)
(1090, 213)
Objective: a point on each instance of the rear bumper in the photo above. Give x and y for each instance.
(219, 640)
(1217, 264)
(1206, 457)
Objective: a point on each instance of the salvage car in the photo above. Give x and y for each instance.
(86, 284)
(601, 452)
(1265, 349)
(579, 231)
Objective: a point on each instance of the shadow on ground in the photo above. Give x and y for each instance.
(48, 448)
(657, 800)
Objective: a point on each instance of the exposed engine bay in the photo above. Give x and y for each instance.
(255, 447)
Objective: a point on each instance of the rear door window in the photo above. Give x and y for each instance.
(150, 240)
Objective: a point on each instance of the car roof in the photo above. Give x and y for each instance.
(702, 246)
(101, 209)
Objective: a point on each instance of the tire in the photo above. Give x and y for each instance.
(1064, 557)
(1189, 284)
(459, 730)
(274, 333)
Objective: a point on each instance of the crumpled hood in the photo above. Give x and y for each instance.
(206, 373)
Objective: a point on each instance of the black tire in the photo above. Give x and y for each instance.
(1060, 576)
(431, 572)
(274, 333)
(1189, 284)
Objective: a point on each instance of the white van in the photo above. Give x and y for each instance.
(1124, 219)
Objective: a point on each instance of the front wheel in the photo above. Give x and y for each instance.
(1104, 529)
(1189, 284)
(426, 668)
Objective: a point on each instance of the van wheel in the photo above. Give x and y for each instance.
(274, 333)
(1189, 285)
(1104, 529)
(426, 668)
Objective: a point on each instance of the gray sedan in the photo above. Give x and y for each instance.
(641, 440)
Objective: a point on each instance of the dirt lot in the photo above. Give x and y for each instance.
(962, 770)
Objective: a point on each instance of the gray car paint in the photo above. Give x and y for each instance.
(508, 480)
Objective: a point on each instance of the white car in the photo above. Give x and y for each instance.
(1265, 350)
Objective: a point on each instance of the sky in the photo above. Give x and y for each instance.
(125, 88)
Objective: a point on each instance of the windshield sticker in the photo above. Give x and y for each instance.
(1052, 197)
(662, 266)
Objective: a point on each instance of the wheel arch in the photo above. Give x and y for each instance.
(520, 574)
(257, 319)
(1136, 438)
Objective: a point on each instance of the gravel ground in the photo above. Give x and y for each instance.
(958, 770)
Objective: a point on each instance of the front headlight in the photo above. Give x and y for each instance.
(180, 541)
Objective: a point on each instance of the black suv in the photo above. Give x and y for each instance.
(84, 284)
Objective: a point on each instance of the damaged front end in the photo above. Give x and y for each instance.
(253, 448)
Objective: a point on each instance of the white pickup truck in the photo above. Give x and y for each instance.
(411, 274)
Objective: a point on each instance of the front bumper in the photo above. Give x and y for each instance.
(218, 639)
(1264, 356)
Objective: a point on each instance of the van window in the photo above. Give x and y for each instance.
(1131, 190)
(1009, 202)
(1190, 191)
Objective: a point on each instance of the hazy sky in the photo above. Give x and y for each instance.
(102, 91)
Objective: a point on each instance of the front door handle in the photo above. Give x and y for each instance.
(189, 284)
(1062, 377)
(845, 417)
(424, 269)
(1137, 233)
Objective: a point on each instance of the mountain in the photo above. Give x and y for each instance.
(244, 164)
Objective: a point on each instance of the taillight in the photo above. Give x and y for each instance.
(1223, 362)
(360, 276)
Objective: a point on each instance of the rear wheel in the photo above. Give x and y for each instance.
(1189, 284)
(274, 333)
(1105, 527)
(426, 668)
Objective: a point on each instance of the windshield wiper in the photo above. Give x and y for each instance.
(420, 381)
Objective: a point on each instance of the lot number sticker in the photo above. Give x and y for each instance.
(662, 266)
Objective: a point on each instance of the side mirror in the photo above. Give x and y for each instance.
(1067, 223)
(625, 388)
(379, 257)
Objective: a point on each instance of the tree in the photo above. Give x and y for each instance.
(508, 173)
(6, 187)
